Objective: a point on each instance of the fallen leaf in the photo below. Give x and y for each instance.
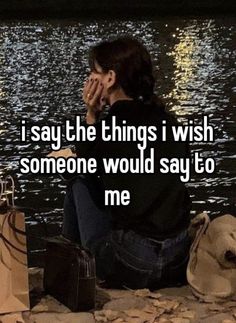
(134, 320)
(191, 298)
(179, 320)
(155, 295)
(149, 309)
(49, 304)
(141, 314)
(163, 320)
(126, 303)
(147, 293)
(133, 312)
(100, 317)
(215, 308)
(119, 320)
(167, 305)
(40, 308)
(142, 292)
(230, 304)
(160, 311)
(183, 309)
(188, 314)
(111, 315)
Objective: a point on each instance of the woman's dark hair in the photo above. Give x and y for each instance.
(132, 64)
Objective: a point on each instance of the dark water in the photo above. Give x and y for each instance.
(43, 66)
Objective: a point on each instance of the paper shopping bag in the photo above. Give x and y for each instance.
(14, 289)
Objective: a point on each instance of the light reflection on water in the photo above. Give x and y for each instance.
(43, 66)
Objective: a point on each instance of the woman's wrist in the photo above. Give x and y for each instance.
(91, 117)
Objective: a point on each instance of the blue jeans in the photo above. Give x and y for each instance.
(123, 258)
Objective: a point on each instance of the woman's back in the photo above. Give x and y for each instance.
(159, 203)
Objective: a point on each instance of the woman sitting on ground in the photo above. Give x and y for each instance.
(145, 243)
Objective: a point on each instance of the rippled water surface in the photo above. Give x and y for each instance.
(42, 69)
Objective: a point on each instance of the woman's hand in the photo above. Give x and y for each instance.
(92, 96)
(67, 152)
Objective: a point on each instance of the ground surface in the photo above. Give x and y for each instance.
(170, 305)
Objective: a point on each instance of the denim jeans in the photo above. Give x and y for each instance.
(123, 258)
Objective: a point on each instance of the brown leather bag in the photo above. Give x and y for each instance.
(69, 274)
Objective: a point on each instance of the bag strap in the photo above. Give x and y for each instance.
(2, 188)
(202, 222)
(2, 200)
(5, 240)
(10, 179)
(6, 190)
(8, 246)
(12, 225)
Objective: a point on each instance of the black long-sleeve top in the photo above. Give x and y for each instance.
(159, 203)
